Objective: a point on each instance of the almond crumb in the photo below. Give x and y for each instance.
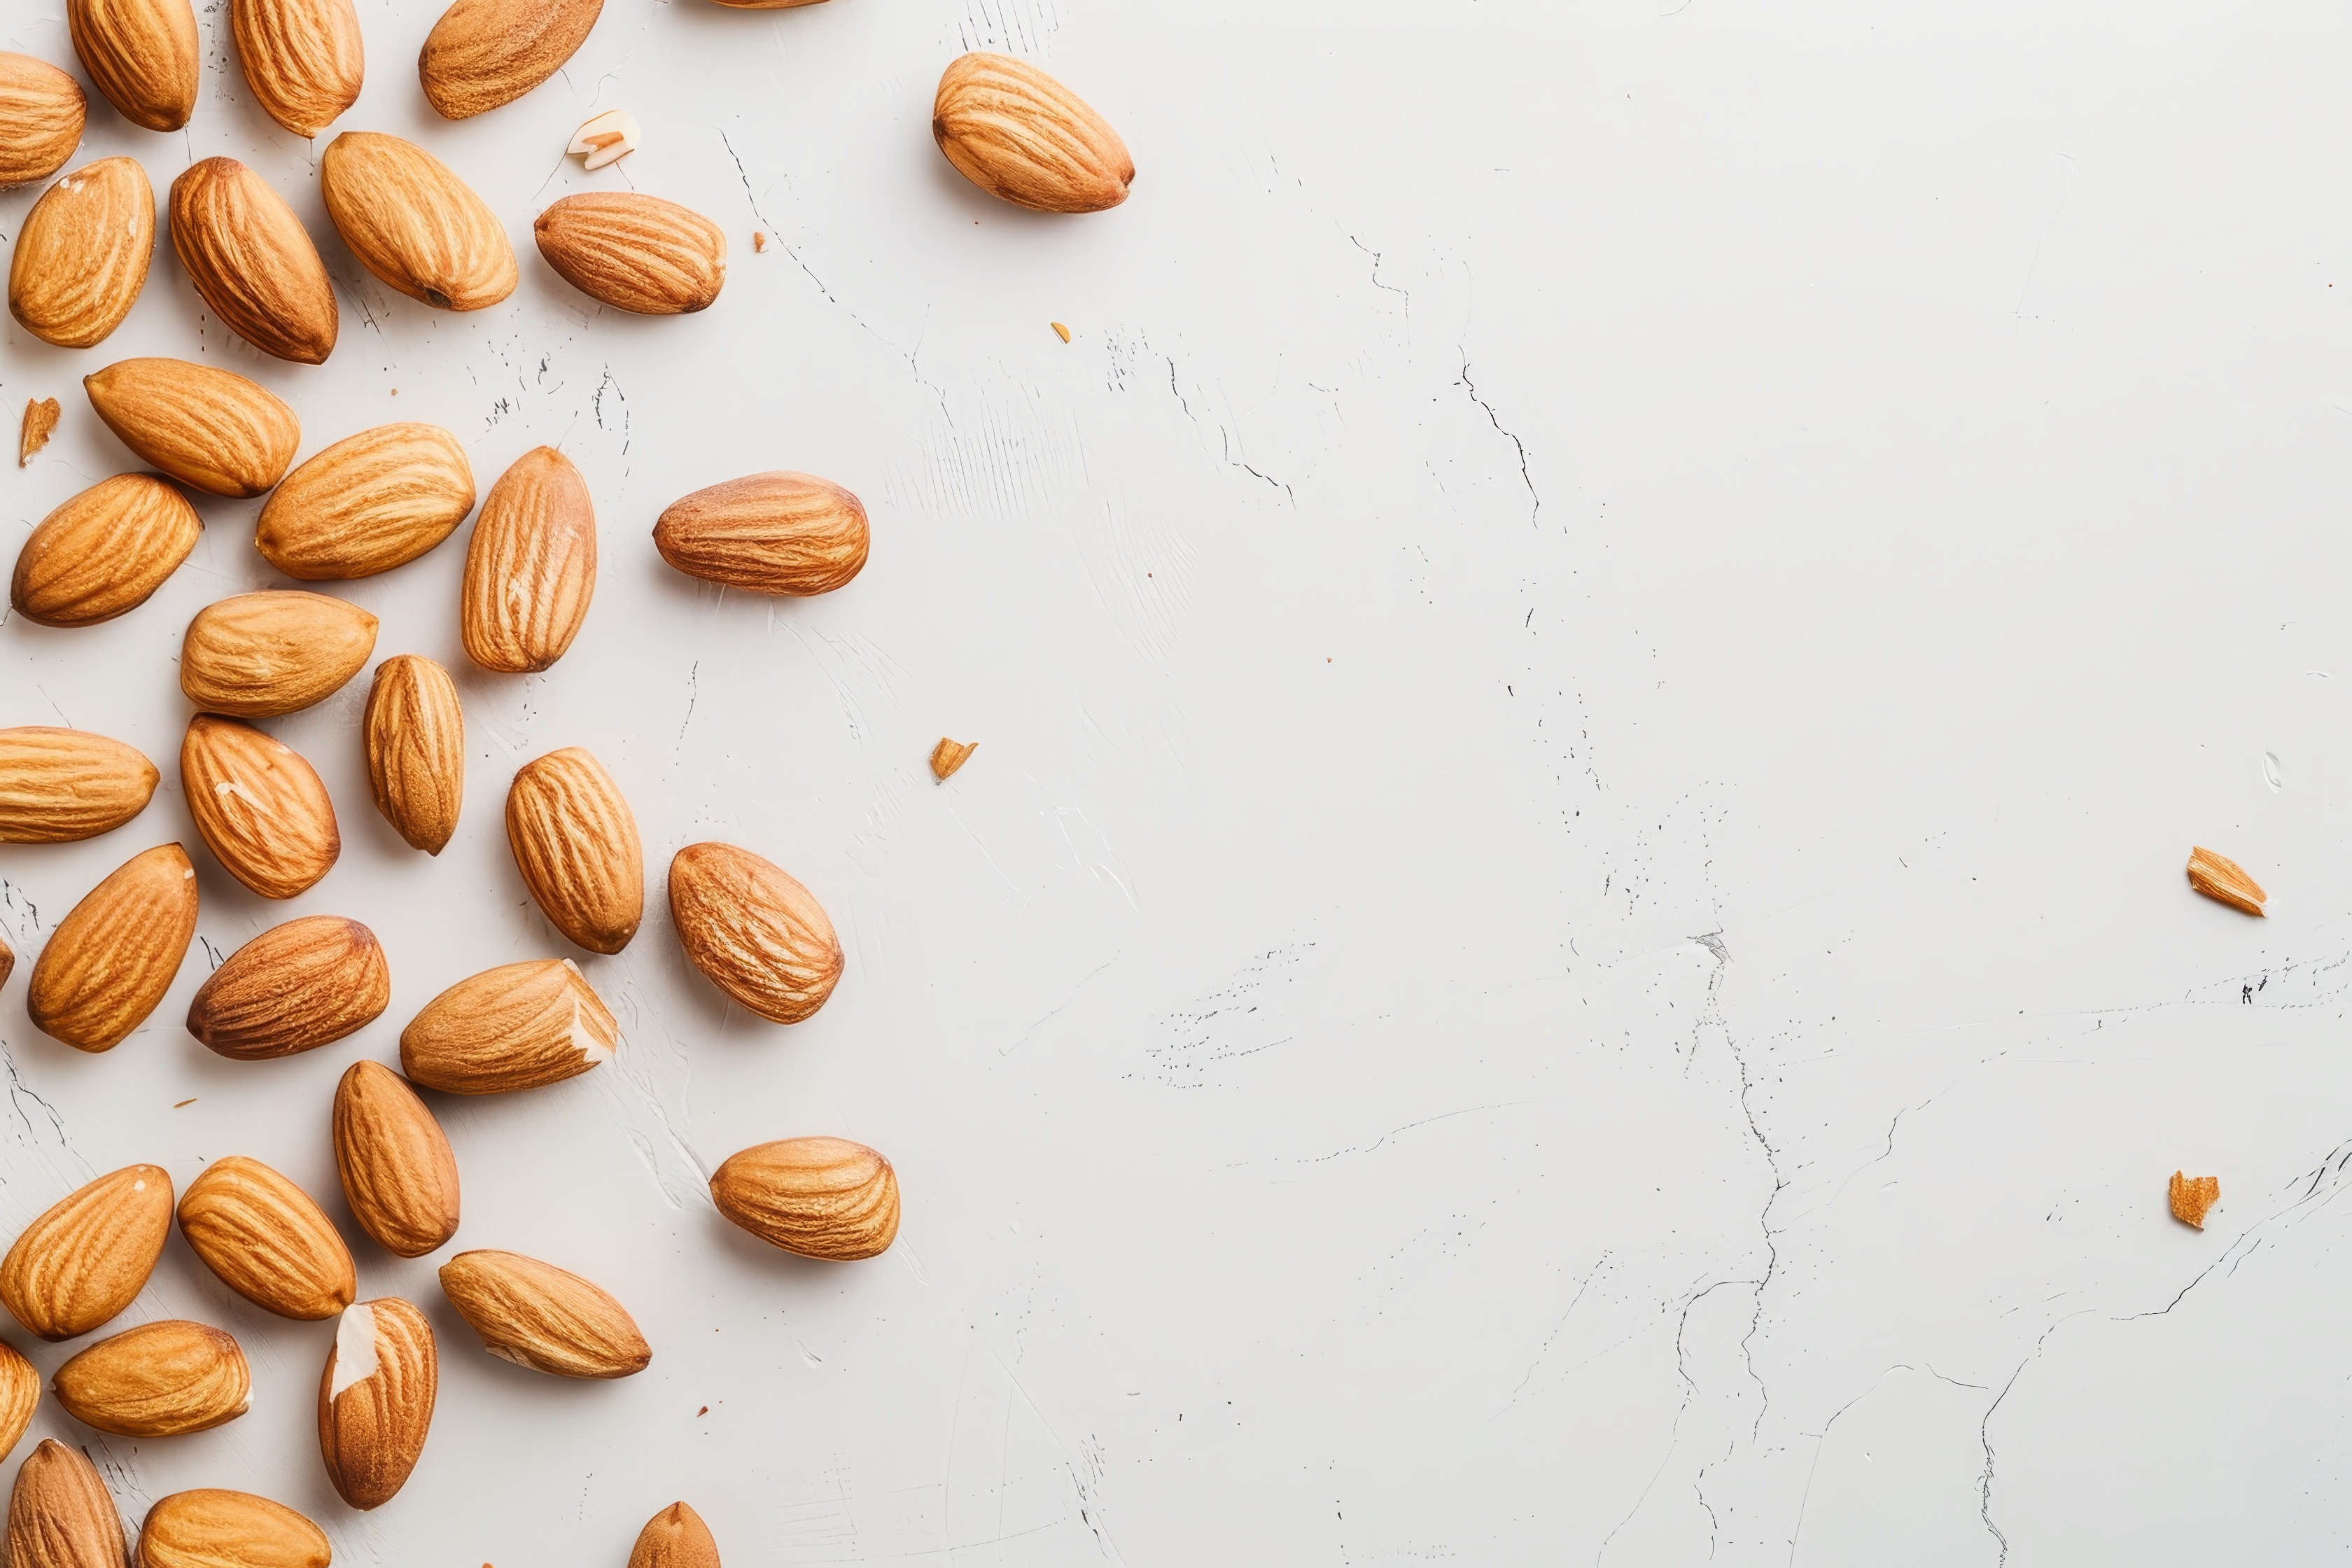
(1064, 331)
(185, 1103)
(703, 1411)
(40, 419)
(949, 755)
(609, 137)
(2193, 1197)
(2223, 881)
(759, 241)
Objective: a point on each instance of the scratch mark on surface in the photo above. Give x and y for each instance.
(1494, 419)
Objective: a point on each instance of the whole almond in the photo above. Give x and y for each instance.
(205, 427)
(268, 1240)
(211, 1528)
(158, 1380)
(366, 504)
(398, 1174)
(519, 1026)
(278, 651)
(821, 1197)
(252, 260)
(530, 567)
(417, 749)
(576, 842)
(538, 1316)
(20, 1394)
(88, 1254)
(302, 58)
(635, 252)
(116, 952)
(60, 786)
(375, 1399)
(778, 532)
(104, 553)
(142, 55)
(260, 807)
(413, 224)
(753, 931)
(82, 256)
(1017, 133)
(676, 1537)
(483, 53)
(294, 987)
(59, 1515)
(41, 115)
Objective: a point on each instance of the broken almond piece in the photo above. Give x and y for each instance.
(608, 139)
(1062, 330)
(759, 242)
(949, 755)
(2193, 1197)
(40, 419)
(2223, 880)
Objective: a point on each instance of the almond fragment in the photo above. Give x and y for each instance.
(530, 567)
(2224, 881)
(413, 224)
(141, 54)
(2193, 1196)
(754, 932)
(635, 252)
(575, 841)
(114, 955)
(398, 1174)
(1017, 133)
(252, 260)
(260, 807)
(820, 1197)
(7, 964)
(949, 755)
(759, 240)
(211, 1528)
(41, 416)
(676, 1537)
(88, 1254)
(20, 1394)
(60, 786)
(777, 532)
(303, 58)
(104, 553)
(294, 987)
(542, 1316)
(41, 115)
(205, 427)
(257, 655)
(417, 749)
(366, 504)
(484, 53)
(519, 1026)
(82, 256)
(375, 1399)
(605, 139)
(59, 1515)
(1060, 330)
(268, 1240)
(158, 1380)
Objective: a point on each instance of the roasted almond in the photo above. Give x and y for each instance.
(417, 749)
(141, 54)
(205, 427)
(104, 553)
(777, 532)
(538, 1316)
(268, 1240)
(158, 1380)
(530, 567)
(1017, 133)
(366, 504)
(260, 807)
(88, 1254)
(116, 952)
(211, 1528)
(576, 842)
(375, 1399)
(753, 931)
(20, 1394)
(60, 786)
(483, 53)
(821, 1197)
(676, 1537)
(413, 224)
(294, 987)
(635, 252)
(257, 655)
(59, 1516)
(519, 1026)
(41, 115)
(302, 58)
(82, 256)
(252, 260)
(398, 1174)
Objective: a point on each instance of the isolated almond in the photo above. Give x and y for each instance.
(417, 749)
(260, 807)
(41, 114)
(413, 224)
(538, 1316)
(113, 956)
(104, 553)
(268, 1240)
(257, 655)
(676, 1537)
(375, 1399)
(252, 260)
(366, 504)
(576, 842)
(82, 256)
(519, 1026)
(483, 53)
(1017, 133)
(88, 1254)
(821, 1197)
(59, 1516)
(205, 427)
(753, 931)
(158, 1380)
(302, 58)
(777, 532)
(294, 987)
(398, 1174)
(60, 786)
(635, 252)
(211, 1528)
(141, 54)
(530, 567)
(20, 1394)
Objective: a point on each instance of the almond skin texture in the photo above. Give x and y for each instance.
(110, 960)
(104, 553)
(538, 1316)
(635, 252)
(252, 260)
(754, 932)
(417, 749)
(20, 1394)
(59, 1516)
(366, 504)
(1017, 133)
(375, 1399)
(676, 1537)
(294, 987)
(88, 1254)
(158, 1380)
(41, 113)
(82, 256)
(216, 1529)
(266, 1241)
(413, 224)
(209, 428)
(519, 1026)
(278, 651)
(142, 56)
(7, 962)
(530, 567)
(302, 58)
(60, 786)
(778, 532)
(260, 807)
(576, 844)
(821, 1197)
(484, 53)
(398, 1174)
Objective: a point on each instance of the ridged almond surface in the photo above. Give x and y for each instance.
(268, 1240)
(635, 252)
(7, 962)
(88, 1254)
(676, 1537)
(415, 732)
(483, 53)
(205, 427)
(538, 1316)
(821, 1197)
(375, 1399)
(142, 55)
(60, 786)
(366, 504)
(158, 1380)
(294, 987)
(576, 842)
(754, 932)
(116, 952)
(398, 1171)
(519, 1026)
(260, 807)
(82, 256)
(211, 1528)
(530, 567)
(779, 532)
(104, 553)
(59, 1515)
(252, 260)
(42, 110)
(1017, 133)
(20, 1395)
(302, 58)
(257, 655)
(413, 224)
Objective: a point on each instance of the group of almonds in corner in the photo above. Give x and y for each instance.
(369, 503)
(2224, 881)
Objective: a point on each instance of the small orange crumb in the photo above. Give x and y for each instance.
(395, 392)
(949, 755)
(40, 420)
(185, 1103)
(1064, 331)
(2224, 881)
(703, 1411)
(759, 241)
(2193, 1197)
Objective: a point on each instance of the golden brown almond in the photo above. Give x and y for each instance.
(20, 1394)
(257, 655)
(777, 532)
(60, 1516)
(413, 224)
(116, 952)
(90, 1253)
(260, 807)
(41, 115)
(484, 53)
(83, 253)
(104, 553)
(1017, 133)
(268, 1240)
(754, 932)
(2225, 881)
(2193, 1197)
(821, 1197)
(158, 1380)
(949, 756)
(635, 252)
(7, 962)
(60, 786)
(366, 504)
(41, 416)
(519, 1026)
(576, 842)
(530, 567)
(676, 1537)
(205, 427)
(211, 1528)
(417, 749)
(141, 54)
(375, 1399)
(252, 260)
(294, 987)
(542, 1316)
(302, 58)
(398, 1174)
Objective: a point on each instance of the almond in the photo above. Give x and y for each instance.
(753, 931)
(294, 987)
(88, 1254)
(576, 844)
(778, 532)
(530, 567)
(949, 756)
(116, 952)
(60, 786)
(20, 1394)
(104, 553)
(2225, 881)
(538, 1316)
(676, 1537)
(141, 54)
(519, 1026)
(635, 252)
(375, 1399)
(252, 260)
(7, 962)
(211, 1528)
(417, 749)
(257, 655)
(266, 1241)
(82, 256)
(302, 58)
(158, 1380)
(41, 115)
(366, 504)
(260, 807)
(40, 422)
(483, 53)
(59, 1516)
(413, 224)
(398, 1174)
(1017, 133)
(821, 1197)
(205, 427)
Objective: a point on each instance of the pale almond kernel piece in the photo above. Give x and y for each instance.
(2224, 881)
(605, 139)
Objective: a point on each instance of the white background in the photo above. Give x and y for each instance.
(1566, 941)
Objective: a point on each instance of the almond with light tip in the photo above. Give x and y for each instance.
(819, 1197)
(268, 1240)
(521, 1026)
(297, 987)
(1017, 133)
(413, 224)
(753, 931)
(674, 1538)
(252, 261)
(482, 54)
(530, 567)
(42, 112)
(208, 428)
(60, 1515)
(416, 737)
(576, 842)
(254, 656)
(544, 1317)
(303, 60)
(375, 1399)
(398, 1173)
(142, 55)
(57, 786)
(635, 252)
(88, 1255)
(366, 504)
(82, 255)
(779, 532)
(214, 1527)
(104, 552)
(114, 955)
(158, 1380)
(260, 805)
